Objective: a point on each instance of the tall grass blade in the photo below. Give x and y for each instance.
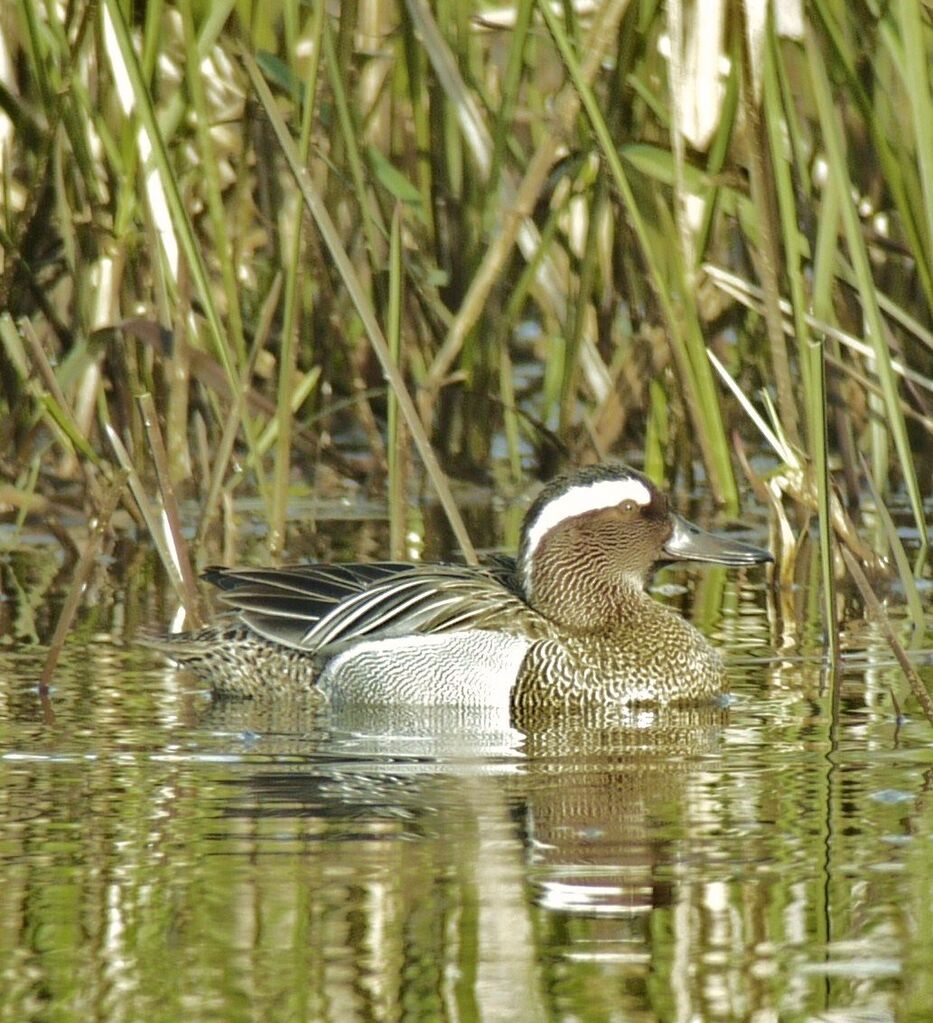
(364, 309)
(915, 39)
(126, 67)
(836, 50)
(516, 225)
(374, 229)
(838, 167)
(811, 350)
(222, 248)
(394, 430)
(286, 391)
(680, 316)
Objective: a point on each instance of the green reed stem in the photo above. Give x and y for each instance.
(509, 414)
(354, 288)
(892, 156)
(813, 369)
(773, 193)
(374, 227)
(222, 248)
(394, 433)
(239, 415)
(718, 153)
(511, 81)
(817, 435)
(838, 163)
(915, 69)
(172, 518)
(683, 327)
(59, 411)
(290, 321)
(583, 306)
(517, 202)
(125, 61)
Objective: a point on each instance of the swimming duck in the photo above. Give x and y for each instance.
(566, 623)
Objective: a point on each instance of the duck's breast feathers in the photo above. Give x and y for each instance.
(323, 608)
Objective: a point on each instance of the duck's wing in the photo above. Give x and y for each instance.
(322, 608)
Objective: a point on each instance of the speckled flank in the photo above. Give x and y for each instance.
(236, 662)
(669, 663)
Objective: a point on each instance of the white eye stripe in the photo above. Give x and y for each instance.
(579, 501)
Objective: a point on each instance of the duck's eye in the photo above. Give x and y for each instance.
(629, 507)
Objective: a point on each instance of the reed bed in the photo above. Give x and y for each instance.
(250, 245)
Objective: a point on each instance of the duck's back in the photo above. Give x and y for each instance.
(381, 633)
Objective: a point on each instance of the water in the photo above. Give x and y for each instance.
(166, 858)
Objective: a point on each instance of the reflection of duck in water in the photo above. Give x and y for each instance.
(420, 852)
(427, 837)
(609, 804)
(598, 793)
(567, 624)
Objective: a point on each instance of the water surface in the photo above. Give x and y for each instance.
(165, 857)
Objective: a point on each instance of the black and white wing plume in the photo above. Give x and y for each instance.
(322, 608)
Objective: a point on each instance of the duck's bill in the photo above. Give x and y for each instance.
(690, 543)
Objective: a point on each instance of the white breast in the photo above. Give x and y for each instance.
(469, 668)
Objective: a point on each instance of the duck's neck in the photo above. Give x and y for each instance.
(590, 605)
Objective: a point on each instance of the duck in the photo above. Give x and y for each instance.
(566, 623)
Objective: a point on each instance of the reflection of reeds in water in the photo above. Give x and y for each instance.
(552, 222)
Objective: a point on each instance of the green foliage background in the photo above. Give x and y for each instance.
(549, 216)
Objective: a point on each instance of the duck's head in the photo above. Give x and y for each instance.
(594, 536)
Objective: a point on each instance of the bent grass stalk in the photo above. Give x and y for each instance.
(82, 571)
(170, 506)
(158, 536)
(873, 605)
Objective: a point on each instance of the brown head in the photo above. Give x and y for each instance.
(592, 538)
